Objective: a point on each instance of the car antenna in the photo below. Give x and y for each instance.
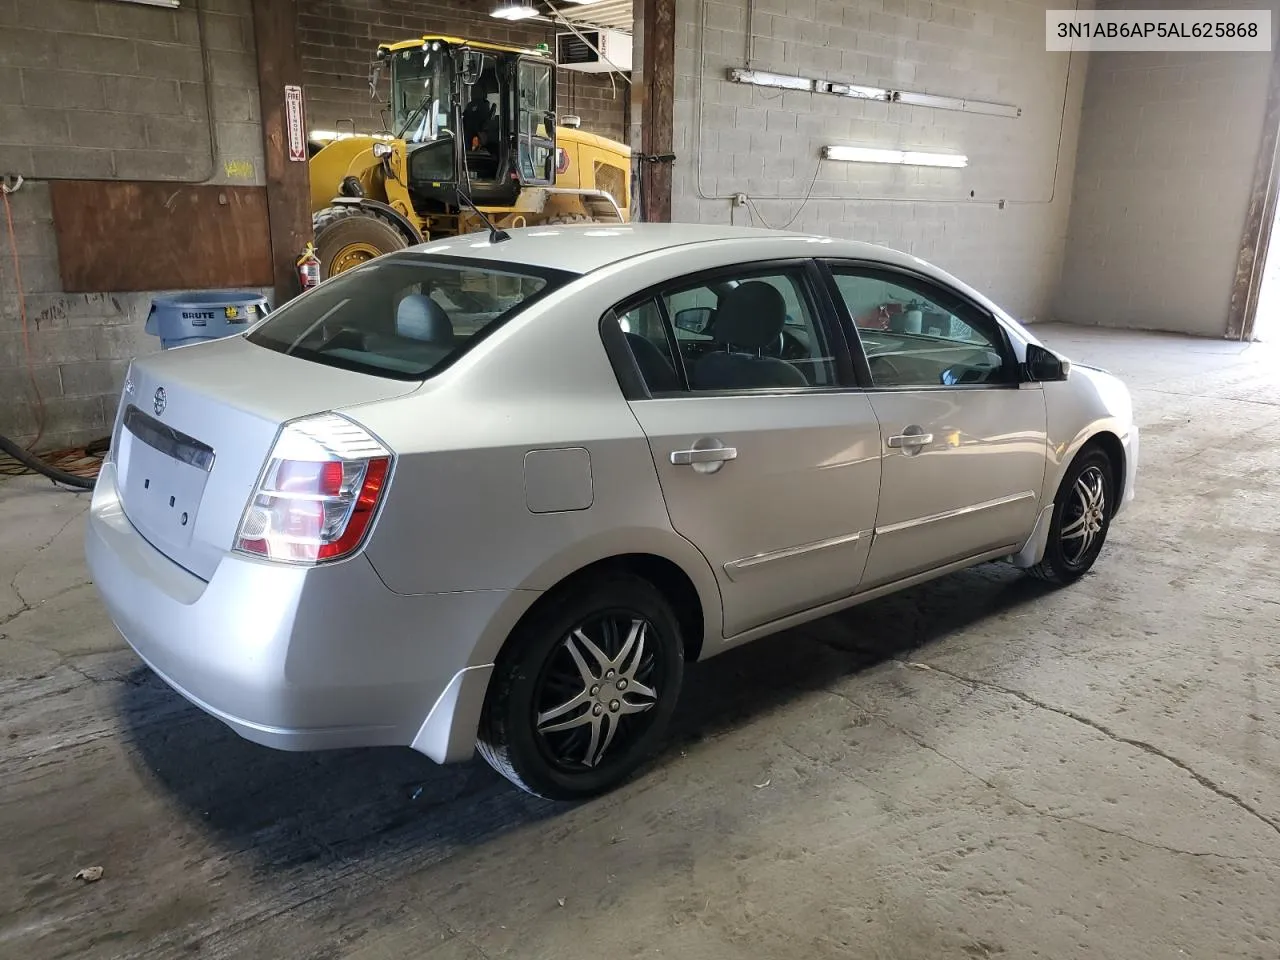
(495, 235)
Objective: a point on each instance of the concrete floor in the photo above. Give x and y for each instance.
(977, 768)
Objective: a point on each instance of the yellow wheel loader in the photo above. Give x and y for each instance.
(475, 130)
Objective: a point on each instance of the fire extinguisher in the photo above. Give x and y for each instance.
(308, 268)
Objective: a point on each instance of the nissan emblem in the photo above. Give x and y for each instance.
(158, 404)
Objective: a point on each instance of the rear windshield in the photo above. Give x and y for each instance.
(404, 318)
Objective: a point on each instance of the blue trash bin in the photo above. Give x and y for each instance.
(187, 318)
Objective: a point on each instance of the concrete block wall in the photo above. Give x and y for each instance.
(104, 90)
(339, 38)
(1168, 146)
(766, 143)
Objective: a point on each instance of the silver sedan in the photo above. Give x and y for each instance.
(498, 492)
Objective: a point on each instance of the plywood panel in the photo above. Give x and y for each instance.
(121, 236)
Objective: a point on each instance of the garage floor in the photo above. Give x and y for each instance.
(977, 768)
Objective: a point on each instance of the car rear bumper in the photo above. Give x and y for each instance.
(300, 658)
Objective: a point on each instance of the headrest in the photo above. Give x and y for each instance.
(750, 316)
(418, 317)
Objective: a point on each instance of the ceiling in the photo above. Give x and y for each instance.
(613, 14)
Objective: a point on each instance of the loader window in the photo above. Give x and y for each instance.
(537, 122)
(420, 95)
(403, 317)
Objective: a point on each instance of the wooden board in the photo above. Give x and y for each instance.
(275, 28)
(657, 118)
(118, 236)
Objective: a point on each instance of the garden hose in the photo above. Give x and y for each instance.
(39, 466)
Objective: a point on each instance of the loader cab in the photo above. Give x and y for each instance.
(481, 116)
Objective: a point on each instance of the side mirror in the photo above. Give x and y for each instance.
(1045, 366)
(470, 67)
(693, 319)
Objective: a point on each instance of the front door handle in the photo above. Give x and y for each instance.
(913, 438)
(684, 458)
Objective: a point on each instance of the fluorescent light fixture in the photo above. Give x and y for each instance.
(957, 103)
(170, 4)
(759, 78)
(913, 158)
(514, 11)
(857, 91)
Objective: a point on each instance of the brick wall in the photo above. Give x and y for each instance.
(340, 36)
(104, 90)
(765, 143)
(1168, 145)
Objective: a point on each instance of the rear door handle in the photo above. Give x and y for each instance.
(684, 458)
(909, 441)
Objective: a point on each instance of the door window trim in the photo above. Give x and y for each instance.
(890, 273)
(813, 287)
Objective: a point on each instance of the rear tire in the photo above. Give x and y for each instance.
(1082, 511)
(347, 237)
(583, 692)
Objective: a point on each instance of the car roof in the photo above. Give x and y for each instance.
(582, 248)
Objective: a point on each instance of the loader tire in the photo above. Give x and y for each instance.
(561, 218)
(347, 237)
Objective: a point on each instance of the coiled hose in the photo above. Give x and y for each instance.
(32, 462)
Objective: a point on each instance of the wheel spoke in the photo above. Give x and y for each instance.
(556, 712)
(635, 639)
(640, 690)
(1083, 494)
(593, 747)
(612, 723)
(1075, 528)
(628, 707)
(602, 661)
(577, 721)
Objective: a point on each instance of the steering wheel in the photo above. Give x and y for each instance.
(962, 373)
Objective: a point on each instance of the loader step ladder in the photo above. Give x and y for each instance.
(603, 209)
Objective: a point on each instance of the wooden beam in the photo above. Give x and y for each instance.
(275, 26)
(657, 116)
(1251, 259)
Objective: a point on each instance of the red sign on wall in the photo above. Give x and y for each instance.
(293, 122)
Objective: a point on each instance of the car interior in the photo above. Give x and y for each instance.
(760, 333)
(400, 318)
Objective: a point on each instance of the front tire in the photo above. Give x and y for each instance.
(1082, 512)
(349, 237)
(583, 692)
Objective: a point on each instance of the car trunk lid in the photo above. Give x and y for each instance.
(196, 426)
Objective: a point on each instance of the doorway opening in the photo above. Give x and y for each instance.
(1266, 314)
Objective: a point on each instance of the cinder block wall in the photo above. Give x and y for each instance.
(104, 90)
(765, 143)
(340, 36)
(1168, 146)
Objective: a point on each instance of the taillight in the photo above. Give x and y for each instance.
(562, 159)
(318, 495)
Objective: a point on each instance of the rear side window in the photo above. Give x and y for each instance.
(403, 318)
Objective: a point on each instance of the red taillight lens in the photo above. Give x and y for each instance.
(375, 476)
(318, 495)
(562, 159)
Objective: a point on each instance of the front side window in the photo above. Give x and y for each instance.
(402, 318)
(421, 94)
(915, 335)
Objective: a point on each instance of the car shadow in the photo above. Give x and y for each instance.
(381, 806)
